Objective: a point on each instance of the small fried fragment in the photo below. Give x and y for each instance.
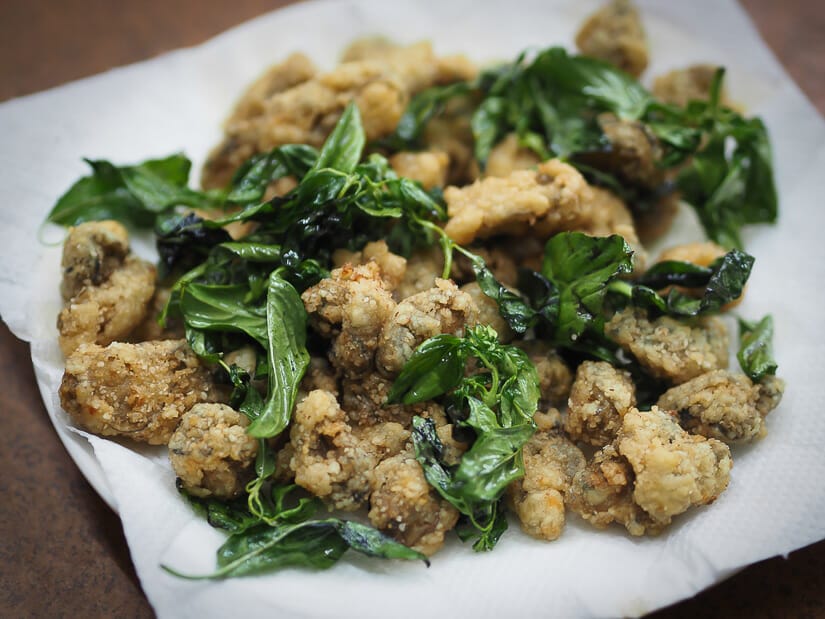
(723, 405)
(669, 349)
(108, 312)
(139, 391)
(554, 197)
(329, 459)
(550, 463)
(555, 378)
(615, 34)
(674, 470)
(441, 309)
(600, 398)
(351, 306)
(681, 86)
(488, 312)
(91, 253)
(393, 267)
(508, 156)
(427, 167)
(404, 505)
(211, 452)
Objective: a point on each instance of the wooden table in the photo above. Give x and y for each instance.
(63, 553)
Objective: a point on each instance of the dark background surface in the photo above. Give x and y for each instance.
(62, 551)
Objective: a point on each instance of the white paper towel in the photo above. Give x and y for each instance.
(177, 102)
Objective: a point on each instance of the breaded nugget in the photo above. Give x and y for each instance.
(600, 398)
(211, 453)
(669, 349)
(139, 391)
(615, 34)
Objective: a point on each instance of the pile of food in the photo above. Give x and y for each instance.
(419, 293)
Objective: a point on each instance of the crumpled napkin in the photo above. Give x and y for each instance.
(176, 102)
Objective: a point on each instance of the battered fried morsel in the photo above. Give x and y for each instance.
(139, 391)
(404, 506)
(550, 463)
(441, 309)
(602, 493)
(92, 251)
(488, 313)
(350, 306)
(331, 461)
(723, 405)
(614, 33)
(683, 85)
(653, 471)
(110, 311)
(672, 350)
(211, 452)
(508, 156)
(634, 152)
(555, 378)
(674, 470)
(423, 267)
(393, 267)
(427, 167)
(600, 398)
(552, 198)
(306, 112)
(320, 375)
(364, 400)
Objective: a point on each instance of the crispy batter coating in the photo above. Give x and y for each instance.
(552, 198)
(427, 167)
(615, 34)
(292, 105)
(320, 375)
(92, 251)
(150, 328)
(674, 470)
(441, 309)
(550, 463)
(669, 349)
(508, 156)
(139, 391)
(635, 152)
(683, 85)
(108, 312)
(771, 389)
(404, 506)
(351, 306)
(555, 378)
(211, 452)
(600, 398)
(423, 267)
(602, 493)
(331, 461)
(652, 472)
(488, 313)
(393, 267)
(723, 405)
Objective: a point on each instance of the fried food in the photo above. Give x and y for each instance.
(599, 399)
(550, 463)
(723, 405)
(669, 349)
(138, 391)
(211, 453)
(615, 34)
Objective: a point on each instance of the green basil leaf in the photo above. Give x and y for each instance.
(343, 148)
(287, 354)
(755, 353)
(435, 367)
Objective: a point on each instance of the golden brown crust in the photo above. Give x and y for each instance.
(669, 349)
(138, 391)
(600, 398)
(211, 453)
(615, 34)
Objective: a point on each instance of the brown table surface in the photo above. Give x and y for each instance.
(63, 553)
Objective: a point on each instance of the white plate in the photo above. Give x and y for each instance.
(176, 102)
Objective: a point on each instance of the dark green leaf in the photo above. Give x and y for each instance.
(435, 367)
(756, 348)
(342, 150)
(287, 355)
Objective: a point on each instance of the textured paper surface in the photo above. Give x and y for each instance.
(176, 102)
